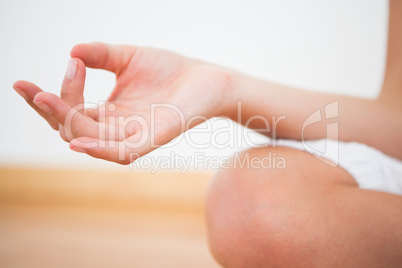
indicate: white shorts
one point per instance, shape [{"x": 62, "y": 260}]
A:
[{"x": 371, "y": 168}]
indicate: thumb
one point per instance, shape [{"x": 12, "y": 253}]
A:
[{"x": 104, "y": 56}]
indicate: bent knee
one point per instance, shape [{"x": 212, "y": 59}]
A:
[{"x": 263, "y": 217}]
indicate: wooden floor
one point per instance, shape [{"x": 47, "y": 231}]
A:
[{"x": 86, "y": 218}]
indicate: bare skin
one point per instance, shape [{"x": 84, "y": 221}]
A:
[
  {"x": 312, "y": 214},
  {"x": 307, "y": 215},
  {"x": 256, "y": 217},
  {"x": 144, "y": 76}
]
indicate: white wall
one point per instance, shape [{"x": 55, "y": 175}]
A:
[{"x": 334, "y": 46}]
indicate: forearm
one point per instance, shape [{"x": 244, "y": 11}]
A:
[{"x": 283, "y": 112}]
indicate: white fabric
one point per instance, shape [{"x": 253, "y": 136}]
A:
[{"x": 371, "y": 168}]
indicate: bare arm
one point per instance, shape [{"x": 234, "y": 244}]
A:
[
  {"x": 377, "y": 123},
  {"x": 392, "y": 88},
  {"x": 125, "y": 127},
  {"x": 287, "y": 109}
]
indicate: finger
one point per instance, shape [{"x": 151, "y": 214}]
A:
[
  {"x": 92, "y": 112},
  {"x": 72, "y": 89},
  {"x": 121, "y": 152},
  {"x": 104, "y": 56},
  {"x": 28, "y": 91},
  {"x": 75, "y": 123},
  {"x": 62, "y": 133}
]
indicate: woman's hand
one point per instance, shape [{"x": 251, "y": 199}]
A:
[{"x": 157, "y": 96}]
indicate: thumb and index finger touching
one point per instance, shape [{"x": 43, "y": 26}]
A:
[
  {"x": 57, "y": 110},
  {"x": 54, "y": 109},
  {"x": 99, "y": 55}
]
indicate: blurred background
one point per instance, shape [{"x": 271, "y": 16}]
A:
[{"x": 59, "y": 208}]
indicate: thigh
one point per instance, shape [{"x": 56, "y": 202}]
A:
[{"x": 306, "y": 213}]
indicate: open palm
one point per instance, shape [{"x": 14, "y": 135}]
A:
[{"x": 158, "y": 95}]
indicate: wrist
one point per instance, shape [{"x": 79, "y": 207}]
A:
[
  {"x": 248, "y": 100},
  {"x": 231, "y": 93},
  {"x": 241, "y": 96}
]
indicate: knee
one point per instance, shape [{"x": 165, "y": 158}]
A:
[{"x": 254, "y": 218}]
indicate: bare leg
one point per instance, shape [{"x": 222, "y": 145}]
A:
[{"x": 307, "y": 215}]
